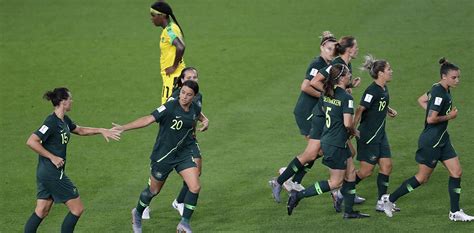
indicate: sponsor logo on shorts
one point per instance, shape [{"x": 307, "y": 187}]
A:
[
  {"x": 158, "y": 175},
  {"x": 373, "y": 158}
]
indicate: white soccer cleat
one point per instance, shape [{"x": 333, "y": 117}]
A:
[
  {"x": 146, "y": 213},
  {"x": 298, "y": 187},
  {"x": 460, "y": 216},
  {"x": 287, "y": 185},
  {"x": 178, "y": 207},
  {"x": 387, "y": 205}
]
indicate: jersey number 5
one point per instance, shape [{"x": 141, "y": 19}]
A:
[
  {"x": 328, "y": 117},
  {"x": 177, "y": 124}
]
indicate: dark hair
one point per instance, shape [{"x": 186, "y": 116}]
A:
[
  {"x": 373, "y": 66},
  {"x": 342, "y": 45},
  {"x": 446, "y": 66},
  {"x": 337, "y": 71},
  {"x": 55, "y": 96},
  {"x": 327, "y": 36},
  {"x": 193, "y": 85},
  {"x": 165, "y": 8},
  {"x": 178, "y": 82}
]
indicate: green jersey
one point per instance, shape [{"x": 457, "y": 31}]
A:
[
  {"x": 306, "y": 102},
  {"x": 436, "y": 135},
  {"x": 334, "y": 132},
  {"x": 337, "y": 60},
  {"x": 54, "y": 134},
  {"x": 176, "y": 128},
  {"x": 372, "y": 124},
  {"x": 175, "y": 96}
]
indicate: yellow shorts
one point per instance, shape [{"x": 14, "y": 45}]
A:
[{"x": 168, "y": 82}]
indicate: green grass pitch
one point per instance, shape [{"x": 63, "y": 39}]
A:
[{"x": 252, "y": 55}]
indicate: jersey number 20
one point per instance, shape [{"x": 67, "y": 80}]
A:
[{"x": 177, "y": 124}]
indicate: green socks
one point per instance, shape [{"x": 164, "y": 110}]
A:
[
  {"x": 406, "y": 187},
  {"x": 32, "y": 223},
  {"x": 454, "y": 188},
  {"x": 382, "y": 184},
  {"x": 317, "y": 189},
  {"x": 190, "y": 202},
  {"x": 69, "y": 223},
  {"x": 292, "y": 168}
]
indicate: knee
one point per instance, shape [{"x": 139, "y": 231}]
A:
[
  {"x": 457, "y": 173},
  {"x": 335, "y": 184},
  {"x": 42, "y": 212},
  {"x": 194, "y": 188},
  {"x": 422, "y": 179},
  {"x": 386, "y": 169},
  {"x": 77, "y": 210},
  {"x": 364, "y": 173}
]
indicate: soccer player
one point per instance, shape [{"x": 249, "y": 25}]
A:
[
  {"x": 338, "y": 107},
  {"x": 308, "y": 98},
  {"x": 50, "y": 142},
  {"x": 434, "y": 143},
  {"x": 172, "y": 150},
  {"x": 372, "y": 145},
  {"x": 171, "y": 45}
]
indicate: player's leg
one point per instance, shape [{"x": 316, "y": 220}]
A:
[
  {"x": 454, "y": 188},
  {"x": 348, "y": 190},
  {"x": 41, "y": 211},
  {"x": 191, "y": 176},
  {"x": 178, "y": 203},
  {"x": 76, "y": 208}
]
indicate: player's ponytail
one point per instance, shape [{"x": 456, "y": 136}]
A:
[
  {"x": 373, "y": 65},
  {"x": 343, "y": 44},
  {"x": 446, "y": 66},
  {"x": 56, "y": 95}
]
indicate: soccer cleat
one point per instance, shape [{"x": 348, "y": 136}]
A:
[
  {"x": 146, "y": 213},
  {"x": 379, "y": 207},
  {"x": 297, "y": 187},
  {"x": 136, "y": 221},
  {"x": 276, "y": 189},
  {"x": 178, "y": 207},
  {"x": 460, "y": 216},
  {"x": 387, "y": 205},
  {"x": 292, "y": 201},
  {"x": 337, "y": 199},
  {"x": 358, "y": 199},
  {"x": 183, "y": 227},
  {"x": 355, "y": 214}
]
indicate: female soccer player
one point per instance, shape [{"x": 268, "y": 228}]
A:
[
  {"x": 434, "y": 144},
  {"x": 171, "y": 45},
  {"x": 372, "y": 145},
  {"x": 338, "y": 107},
  {"x": 172, "y": 150},
  {"x": 50, "y": 142}
]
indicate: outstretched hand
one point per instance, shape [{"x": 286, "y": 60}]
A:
[{"x": 111, "y": 134}]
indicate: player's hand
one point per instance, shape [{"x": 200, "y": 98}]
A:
[
  {"x": 392, "y": 112},
  {"x": 204, "y": 126},
  {"x": 170, "y": 70},
  {"x": 453, "y": 114},
  {"x": 356, "y": 82},
  {"x": 57, "y": 161},
  {"x": 357, "y": 133},
  {"x": 111, "y": 133},
  {"x": 349, "y": 91},
  {"x": 117, "y": 127}
]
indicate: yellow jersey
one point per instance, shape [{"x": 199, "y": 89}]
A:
[{"x": 168, "y": 50}]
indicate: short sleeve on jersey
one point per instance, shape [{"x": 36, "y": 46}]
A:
[
  {"x": 160, "y": 112},
  {"x": 367, "y": 99},
  {"x": 171, "y": 34},
  {"x": 45, "y": 130},
  {"x": 72, "y": 126},
  {"x": 436, "y": 101},
  {"x": 348, "y": 105}
]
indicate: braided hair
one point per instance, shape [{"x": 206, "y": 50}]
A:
[{"x": 165, "y": 8}]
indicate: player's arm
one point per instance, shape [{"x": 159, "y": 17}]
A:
[
  {"x": 318, "y": 82},
  {"x": 106, "y": 133},
  {"x": 179, "y": 44},
  {"x": 308, "y": 89},
  {"x": 358, "y": 115},
  {"x": 433, "y": 117},
  {"x": 423, "y": 101},
  {"x": 349, "y": 123},
  {"x": 136, "y": 124},
  {"x": 34, "y": 142},
  {"x": 204, "y": 121}
]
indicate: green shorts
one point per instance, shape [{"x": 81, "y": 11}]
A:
[
  {"x": 335, "y": 157},
  {"x": 430, "y": 156},
  {"x": 179, "y": 160},
  {"x": 304, "y": 124},
  {"x": 371, "y": 153},
  {"x": 195, "y": 150},
  {"x": 317, "y": 126},
  {"x": 60, "y": 191}
]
